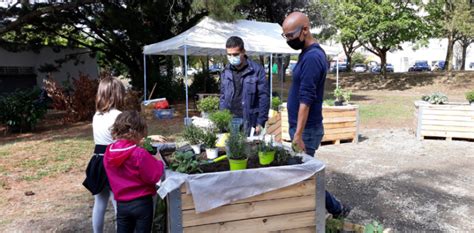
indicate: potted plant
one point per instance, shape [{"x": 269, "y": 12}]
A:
[
  {"x": 435, "y": 98},
  {"x": 276, "y": 102},
  {"x": 185, "y": 162},
  {"x": 236, "y": 146},
  {"x": 470, "y": 97},
  {"x": 338, "y": 92},
  {"x": 266, "y": 152},
  {"x": 208, "y": 105},
  {"x": 210, "y": 139},
  {"x": 194, "y": 136},
  {"x": 221, "y": 120}
]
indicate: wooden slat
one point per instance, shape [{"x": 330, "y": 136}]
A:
[
  {"x": 339, "y": 114},
  {"x": 332, "y": 137},
  {"x": 304, "y": 188},
  {"x": 448, "y": 134},
  {"x": 448, "y": 123},
  {"x": 340, "y": 130},
  {"x": 250, "y": 210},
  {"x": 448, "y": 118},
  {"x": 311, "y": 229},
  {"x": 260, "y": 225},
  {"x": 340, "y": 125},
  {"x": 447, "y": 128},
  {"x": 339, "y": 119},
  {"x": 448, "y": 112}
]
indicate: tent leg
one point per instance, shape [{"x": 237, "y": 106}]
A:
[
  {"x": 144, "y": 78},
  {"x": 271, "y": 78},
  {"x": 186, "y": 83}
]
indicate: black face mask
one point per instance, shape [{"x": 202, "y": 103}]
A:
[{"x": 296, "y": 43}]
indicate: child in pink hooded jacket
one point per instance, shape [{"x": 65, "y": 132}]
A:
[{"x": 132, "y": 173}]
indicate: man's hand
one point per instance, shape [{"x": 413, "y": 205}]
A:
[{"x": 298, "y": 144}]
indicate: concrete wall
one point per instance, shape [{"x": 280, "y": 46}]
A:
[{"x": 86, "y": 64}]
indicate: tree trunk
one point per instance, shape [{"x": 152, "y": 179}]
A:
[
  {"x": 449, "y": 55},
  {"x": 464, "y": 45},
  {"x": 383, "y": 63}
]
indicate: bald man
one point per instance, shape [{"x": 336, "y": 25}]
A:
[{"x": 305, "y": 99}]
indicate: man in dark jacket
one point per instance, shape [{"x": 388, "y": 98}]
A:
[{"x": 244, "y": 87}]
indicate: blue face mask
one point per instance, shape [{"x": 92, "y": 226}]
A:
[{"x": 234, "y": 60}]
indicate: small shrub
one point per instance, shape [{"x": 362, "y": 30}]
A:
[
  {"x": 210, "y": 139},
  {"x": 281, "y": 155},
  {"x": 266, "y": 147},
  {"x": 374, "y": 227},
  {"x": 185, "y": 162},
  {"x": 328, "y": 102},
  {"x": 193, "y": 134},
  {"x": 435, "y": 98},
  {"x": 221, "y": 120},
  {"x": 346, "y": 95},
  {"x": 236, "y": 146},
  {"x": 338, "y": 93},
  {"x": 208, "y": 104},
  {"x": 21, "y": 110},
  {"x": 276, "y": 102},
  {"x": 470, "y": 96}
]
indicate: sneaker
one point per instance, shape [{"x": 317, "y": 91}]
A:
[{"x": 346, "y": 210}]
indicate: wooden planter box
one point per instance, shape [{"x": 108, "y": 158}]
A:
[
  {"x": 341, "y": 123},
  {"x": 452, "y": 120},
  {"x": 296, "y": 208},
  {"x": 274, "y": 126}
]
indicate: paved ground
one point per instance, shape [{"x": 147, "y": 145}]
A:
[{"x": 404, "y": 183}]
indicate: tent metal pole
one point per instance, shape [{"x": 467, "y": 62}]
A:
[
  {"x": 337, "y": 72},
  {"x": 271, "y": 78},
  {"x": 186, "y": 81},
  {"x": 144, "y": 78}
]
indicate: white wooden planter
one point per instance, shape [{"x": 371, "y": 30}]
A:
[{"x": 452, "y": 120}]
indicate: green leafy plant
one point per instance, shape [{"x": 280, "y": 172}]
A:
[
  {"x": 435, "y": 98},
  {"x": 276, "y": 102},
  {"x": 328, "y": 102},
  {"x": 281, "y": 155},
  {"x": 338, "y": 92},
  {"x": 470, "y": 96},
  {"x": 193, "y": 134},
  {"x": 185, "y": 162},
  {"x": 210, "y": 139},
  {"x": 221, "y": 120},
  {"x": 22, "y": 110},
  {"x": 208, "y": 104},
  {"x": 236, "y": 146},
  {"x": 346, "y": 95},
  {"x": 266, "y": 147},
  {"x": 334, "y": 225},
  {"x": 374, "y": 227}
]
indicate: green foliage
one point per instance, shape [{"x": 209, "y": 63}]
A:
[
  {"x": 276, "y": 102},
  {"x": 236, "y": 146},
  {"x": 374, "y": 227},
  {"x": 221, "y": 9},
  {"x": 22, "y": 109},
  {"x": 266, "y": 147},
  {"x": 193, "y": 134},
  {"x": 328, "y": 102},
  {"x": 338, "y": 93},
  {"x": 470, "y": 96},
  {"x": 435, "y": 98},
  {"x": 358, "y": 58},
  {"x": 210, "y": 139},
  {"x": 185, "y": 162},
  {"x": 203, "y": 82},
  {"x": 281, "y": 155},
  {"x": 221, "y": 120},
  {"x": 342, "y": 95},
  {"x": 147, "y": 145},
  {"x": 346, "y": 95},
  {"x": 334, "y": 225},
  {"x": 209, "y": 104}
]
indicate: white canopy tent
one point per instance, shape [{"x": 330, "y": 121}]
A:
[{"x": 209, "y": 36}]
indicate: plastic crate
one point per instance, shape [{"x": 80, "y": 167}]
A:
[{"x": 164, "y": 113}]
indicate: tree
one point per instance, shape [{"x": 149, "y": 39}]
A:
[
  {"x": 451, "y": 19},
  {"x": 343, "y": 17},
  {"x": 383, "y": 25},
  {"x": 464, "y": 19}
]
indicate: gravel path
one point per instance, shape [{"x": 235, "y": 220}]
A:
[{"x": 404, "y": 183}]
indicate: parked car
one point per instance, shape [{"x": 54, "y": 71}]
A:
[
  {"x": 359, "y": 68},
  {"x": 342, "y": 67},
  {"x": 420, "y": 66},
  {"x": 437, "y": 65},
  {"x": 378, "y": 69}
]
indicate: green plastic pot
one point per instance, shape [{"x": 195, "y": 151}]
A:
[
  {"x": 265, "y": 158},
  {"x": 240, "y": 164}
]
